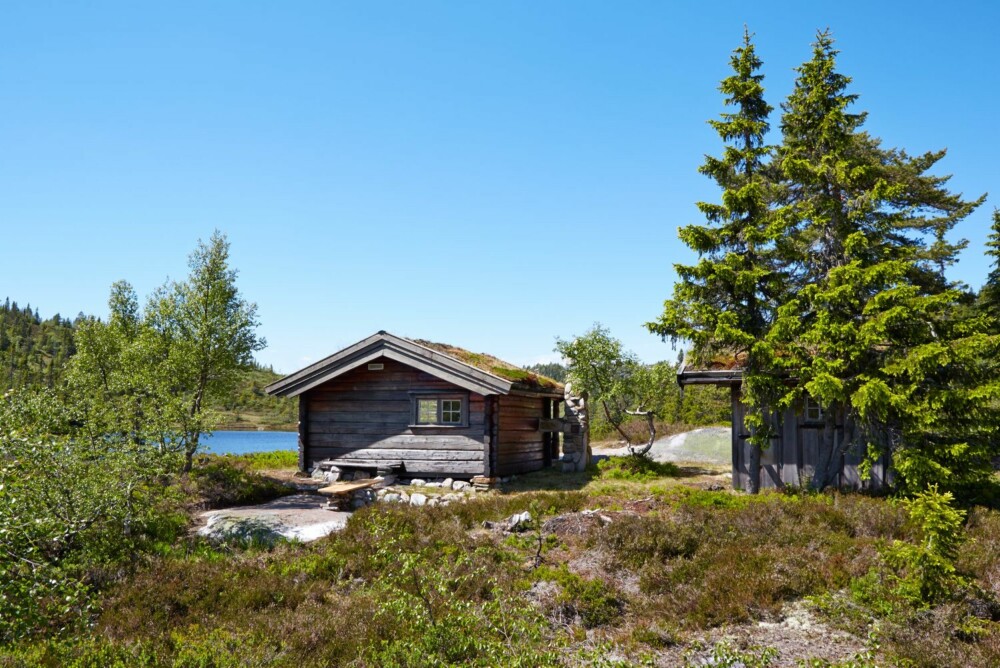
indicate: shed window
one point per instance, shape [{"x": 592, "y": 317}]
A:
[
  {"x": 448, "y": 411},
  {"x": 814, "y": 412}
]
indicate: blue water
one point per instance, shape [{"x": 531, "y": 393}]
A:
[{"x": 240, "y": 442}]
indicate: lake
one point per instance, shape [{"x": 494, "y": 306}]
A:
[{"x": 240, "y": 442}]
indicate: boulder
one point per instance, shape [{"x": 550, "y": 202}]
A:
[{"x": 418, "y": 500}]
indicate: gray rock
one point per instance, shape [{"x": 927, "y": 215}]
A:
[
  {"x": 519, "y": 521},
  {"x": 433, "y": 484},
  {"x": 404, "y": 497},
  {"x": 459, "y": 484},
  {"x": 448, "y": 482},
  {"x": 418, "y": 481},
  {"x": 392, "y": 497},
  {"x": 418, "y": 500},
  {"x": 433, "y": 502},
  {"x": 387, "y": 481}
]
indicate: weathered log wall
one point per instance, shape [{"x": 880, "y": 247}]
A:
[
  {"x": 521, "y": 445},
  {"x": 364, "y": 418}
]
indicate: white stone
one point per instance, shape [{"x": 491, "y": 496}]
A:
[
  {"x": 447, "y": 482},
  {"x": 404, "y": 497},
  {"x": 433, "y": 502},
  {"x": 459, "y": 484},
  {"x": 418, "y": 482},
  {"x": 433, "y": 484},
  {"x": 418, "y": 500},
  {"x": 392, "y": 497}
]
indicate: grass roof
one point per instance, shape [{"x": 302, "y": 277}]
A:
[{"x": 521, "y": 378}]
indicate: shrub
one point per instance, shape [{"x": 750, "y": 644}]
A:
[
  {"x": 635, "y": 468},
  {"x": 219, "y": 482}
]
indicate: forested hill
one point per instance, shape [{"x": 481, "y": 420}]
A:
[{"x": 33, "y": 352}]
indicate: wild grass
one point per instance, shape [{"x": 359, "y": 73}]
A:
[{"x": 644, "y": 576}]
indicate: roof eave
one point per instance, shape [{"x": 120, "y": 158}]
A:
[{"x": 393, "y": 347}]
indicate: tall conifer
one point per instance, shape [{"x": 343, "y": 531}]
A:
[
  {"x": 872, "y": 332},
  {"x": 724, "y": 304}
]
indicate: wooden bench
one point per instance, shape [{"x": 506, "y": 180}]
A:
[{"x": 340, "y": 492}]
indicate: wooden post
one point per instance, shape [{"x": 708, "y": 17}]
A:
[
  {"x": 547, "y": 435},
  {"x": 489, "y": 434},
  {"x": 303, "y": 430}
]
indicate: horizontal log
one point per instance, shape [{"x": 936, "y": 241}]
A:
[
  {"x": 520, "y": 436},
  {"x": 517, "y": 423},
  {"x": 505, "y": 448},
  {"x": 437, "y": 469},
  {"x": 518, "y": 411},
  {"x": 519, "y": 467},
  {"x": 454, "y": 442},
  {"x": 520, "y": 458},
  {"x": 396, "y": 441},
  {"x": 386, "y": 429},
  {"x": 403, "y": 455}
]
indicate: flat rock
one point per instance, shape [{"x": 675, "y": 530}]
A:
[{"x": 301, "y": 517}]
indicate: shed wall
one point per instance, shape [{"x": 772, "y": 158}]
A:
[
  {"x": 793, "y": 457},
  {"x": 364, "y": 419}
]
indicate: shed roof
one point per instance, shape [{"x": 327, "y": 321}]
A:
[{"x": 476, "y": 372}]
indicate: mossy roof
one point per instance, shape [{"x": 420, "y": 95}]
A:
[{"x": 520, "y": 377}]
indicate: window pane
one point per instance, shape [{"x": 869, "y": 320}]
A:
[
  {"x": 427, "y": 411},
  {"x": 451, "y": 411}
]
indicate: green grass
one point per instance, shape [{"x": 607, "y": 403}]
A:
[{"x": 274, "y": 460}]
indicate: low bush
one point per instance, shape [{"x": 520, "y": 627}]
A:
[
  {"x": 636, "y": 468},
  {"x": 220, "y": 481}
]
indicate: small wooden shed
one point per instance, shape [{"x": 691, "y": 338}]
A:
[
  {"x": 796, "y": 454},
  {"x": 424, "y": 409}
]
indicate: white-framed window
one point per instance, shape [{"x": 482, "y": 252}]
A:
[
  {"x": 440, "y": 410},
  {"x": 813, "y": 410}
]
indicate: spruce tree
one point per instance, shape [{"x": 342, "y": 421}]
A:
[
  {"x": 872, "y": 332},
  {"x": 989, "y": 295},
  {"x": 724, "y": 304}
]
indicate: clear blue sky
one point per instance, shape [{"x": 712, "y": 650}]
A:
[{"x": 491, "y": 174}]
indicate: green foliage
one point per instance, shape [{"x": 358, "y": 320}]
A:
[
  {"x": 222, "y": 481},
  {"x": 925, "y": 571},
  {"x": 638, "y": 469},
  {"x": 592, "y": 601},
  {"x": 161, "y": 368},
  {"x": 71, "y": 507},
  {"x": 265, "y": 461},
  {"x": 615, "y": 380}
]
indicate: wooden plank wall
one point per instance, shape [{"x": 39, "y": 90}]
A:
[
  {"x": 362, "y": 418},
  {"x": 792, "y": 459},
  {"x": 520, "y": 445}
]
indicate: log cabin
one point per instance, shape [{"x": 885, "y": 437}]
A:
[
  {"x": 422, "y": 409},
  {"x": 796, "y": 453}
]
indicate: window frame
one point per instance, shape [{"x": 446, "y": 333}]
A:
[
  {"x": 439, "y": 397},
  {"x": 809, "y": 405}
]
